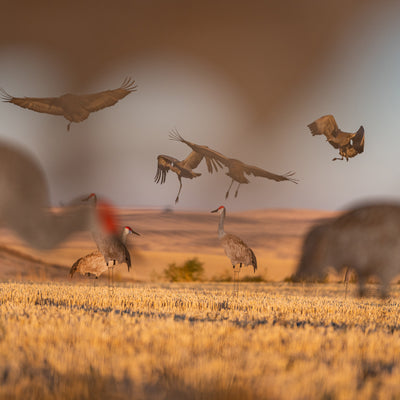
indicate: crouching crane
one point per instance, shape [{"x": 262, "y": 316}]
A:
[
  {"x": 94, "y": 263},
  {"x": 235, "y": 249}
]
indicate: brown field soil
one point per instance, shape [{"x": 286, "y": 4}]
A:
[{"x": 167, "y": 237}]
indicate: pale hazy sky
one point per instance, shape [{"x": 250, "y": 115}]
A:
[{"x": 114, "y": 151}]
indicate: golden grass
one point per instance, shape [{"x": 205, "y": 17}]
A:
[{"x": 197, "y": 341}]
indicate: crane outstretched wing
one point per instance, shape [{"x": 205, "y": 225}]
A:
[
  {"x": 214, "y": 160},
  {"x": 252, "y": 170},
  {"x": 97, "y": 101},
  {"x": 358, "y": 140},
  {"x": 325, "y": 125},
  {"x": 46, "y": 105},
  {"x": 193, "y": 160}
]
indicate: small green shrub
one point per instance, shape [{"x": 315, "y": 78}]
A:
[{"x": 192, "y": 270}]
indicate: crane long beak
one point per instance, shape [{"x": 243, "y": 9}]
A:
[
  {"x": 213, "y": 211},
  {"x": 136, "y": 233}
]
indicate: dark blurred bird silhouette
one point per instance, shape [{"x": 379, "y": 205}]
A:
[
  {"x": 25, "y": 203},
  {"x": 182, "y": 169},
  {"x": 236, "y": 168},
  {"x": 74, "y": 107},
  {"x": 349, "y": 144},
  {"x": 365, "y": 239},
  {"x": 94, "y": 263}
]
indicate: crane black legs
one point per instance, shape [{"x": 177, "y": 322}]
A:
[
  {"x": 237, "y": 189},
  {"x": 227, "y": 194},
  {"x": 236, "y": 281}
]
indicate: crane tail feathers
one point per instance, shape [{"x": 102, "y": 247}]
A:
[{"x": 253, "y": 260}]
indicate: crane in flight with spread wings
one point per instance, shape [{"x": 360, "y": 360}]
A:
[
  {"x": 236, "y": 168},
  {"x": 349, "y": 144},
  {"x": 182, "y": 169},
  {"x": 74, "y": 107}
]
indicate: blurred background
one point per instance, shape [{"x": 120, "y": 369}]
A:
[{"x": 244, "y": 78}]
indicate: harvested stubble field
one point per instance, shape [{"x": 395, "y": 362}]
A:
[{"x": 197, "y": 341}]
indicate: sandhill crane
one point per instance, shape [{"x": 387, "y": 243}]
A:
[
  {"x": 183, "y": 169},
  {"x": 236, "y": 168},
  {"x": 349, "y": 144},
  {"x": 235, "y": 249},
  {"x": 106, "y": 235},
  {"x": 94, "y": 263},
  {"x": 25, "y": 203},
  {"x": 365, "y": 239},
  {"x": 74, "y": 108}
]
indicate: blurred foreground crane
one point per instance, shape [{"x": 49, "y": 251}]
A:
[
  {"x": 107, "y": 237},
  {"x": 94, "y": 263},
  {"x": 235, "y": 249},
  {"x": 236, "y": 168},
  {"x": 25, "y": 203},
  {"x": 74, "y": 107},
  {"x": 349, "y": 144},
  {"x": 182, "y": 169},
  {"x": 365, "y": 239}
]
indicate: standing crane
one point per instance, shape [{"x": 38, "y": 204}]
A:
[
  {"x": 73, "y": 107},
  {"x": 94, "y": 263},
  {"x": 236, "y": 168},
  {"x": 182, "y": 169},
  {"x": 25, "y": 203},
  {"x": 235, "y": 249},
  {"x": 106, "y": 235},
  {"x": 349, "y": 144}
]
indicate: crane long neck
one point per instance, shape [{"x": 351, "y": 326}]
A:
[
  {"x": 221, "y": 232},
  {"x": 124, "y": 236}
]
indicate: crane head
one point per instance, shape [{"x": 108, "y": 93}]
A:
[
  {"x": 129, "y": 230},
  {"x": 219, "y": 210}
]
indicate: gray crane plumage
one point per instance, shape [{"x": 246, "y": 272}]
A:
[
  {"x": 182, "y": 169},
  {"x": 235, "y": 249},
  {"x": 25, "y": 202},
  {"x": 365, "y": 239},
  {"x": 349, "y": 144},
  {"x": 236, "y": 168},
  {"x": 74, "y": 107},
  {"x": 106, "y": 237}
]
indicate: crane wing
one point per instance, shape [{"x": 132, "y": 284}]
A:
[
  {"x": 325, "y": 125},
  {"x": 164, "y": 164},
  {"x": 97, "y": 101},
  {"x": 192, "y": 160},
  {"x": 252, "y": 170},
  {"x": 48, "y": 105},
  {"x": 358, "y": 140},
  {"x": 214, "y": 159}
]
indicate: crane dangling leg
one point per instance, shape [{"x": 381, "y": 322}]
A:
[
  {"x": 227, "y": 193},
  {"x": 337, "y": 158},
  {"x": 237, "y": 190},
  {"x": 180, "y": 188},
  {"x": 68, "y": 126}
]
